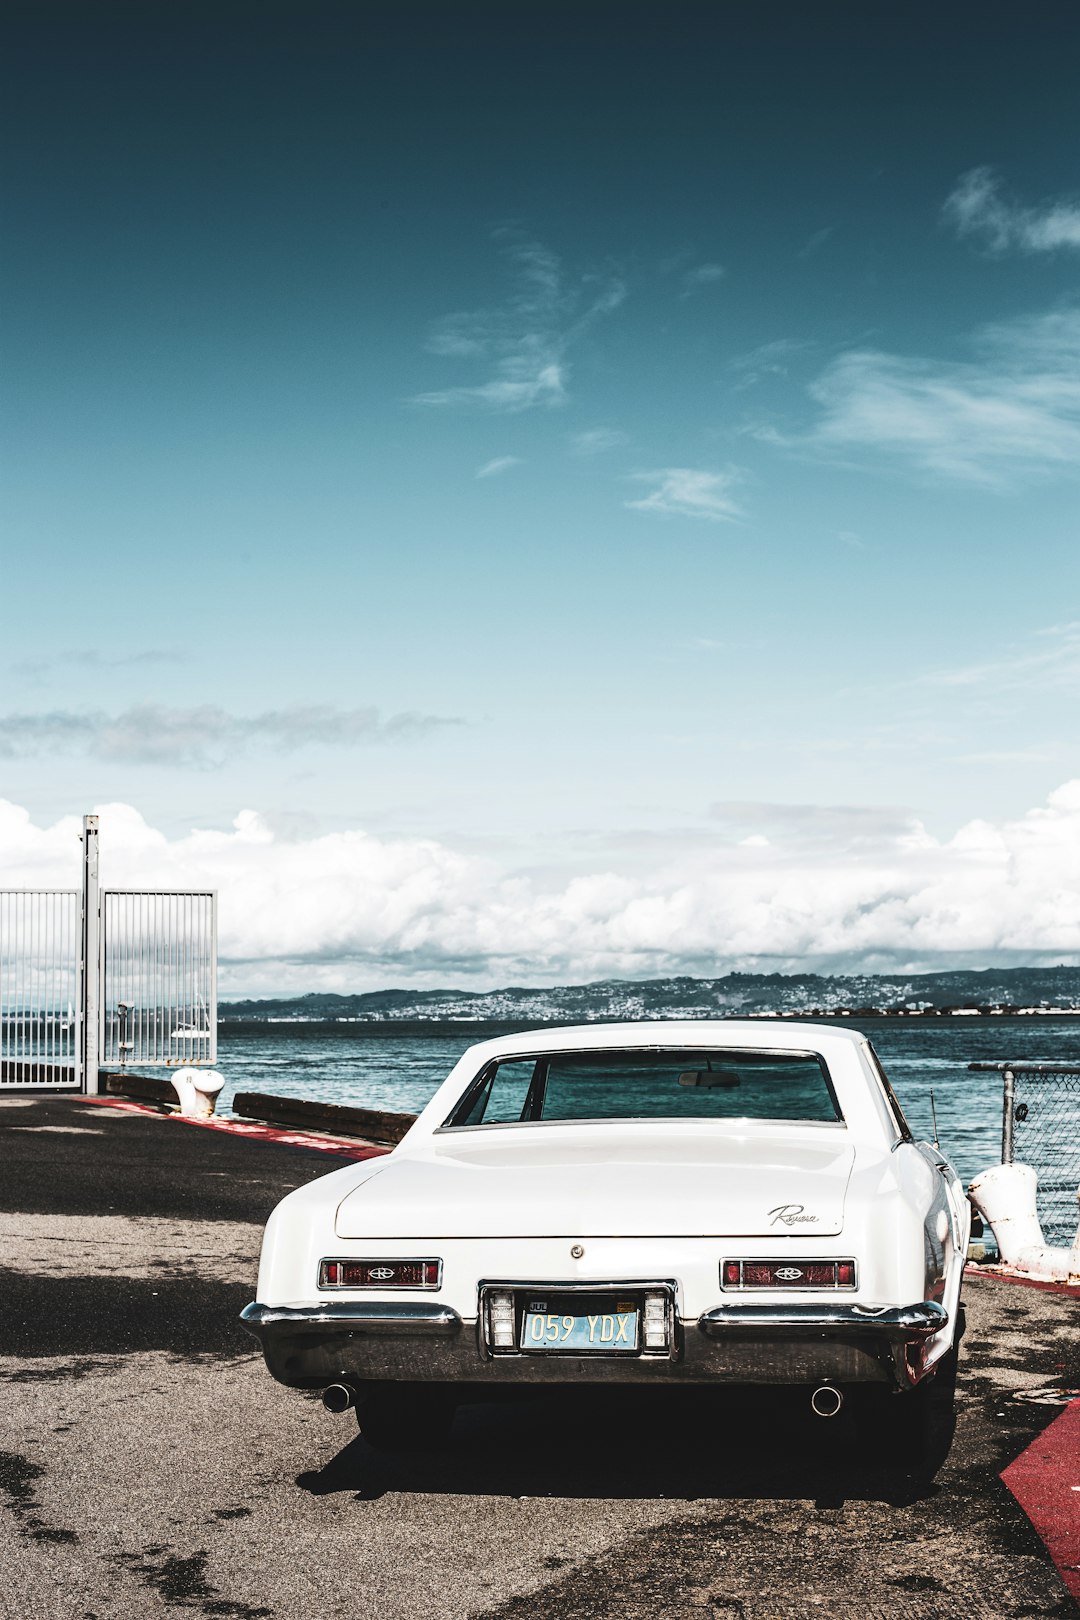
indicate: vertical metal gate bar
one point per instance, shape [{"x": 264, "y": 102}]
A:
[
  {"x": 161, "y": 1012},
  {"x": 7, "y": 909},
  {"x": 211, "y": 1013},
  {"x": 30, "y": 998},
  {"x": 91, "y": 958}
]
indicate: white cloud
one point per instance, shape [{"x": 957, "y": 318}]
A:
[
  {"x": 92, "y": 659},
  {"x": 702, "y": 275},
  {"x": 814, "y": 242},
  {"x": 500, "y": 464},
  {"x": 778, "y": 887},
  {"x": 852, "y": 827},
  {"x": 206, "y": 736},
  {"x": 1050, "y": 661},
  {"x": 979, "y": 207},
  {"x": 767, "y": 360},
  {"x": 689, "y": 492},
  {"x": 1010, "y": 414},
  {"x": 594, "y": 441},
  {"x": 524, "y": 342}
]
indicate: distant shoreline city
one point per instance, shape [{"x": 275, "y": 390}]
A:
[{"x": 989, "y": 993}]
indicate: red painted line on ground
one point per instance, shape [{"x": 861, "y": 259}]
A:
[
  {"x": 338, "y": 1146},
  {"x": 1045, "y": 1479},
  {"x": 986, "y": 1272}
]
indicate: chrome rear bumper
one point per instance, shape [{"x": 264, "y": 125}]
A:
[{"x": 309, "y": 1347}]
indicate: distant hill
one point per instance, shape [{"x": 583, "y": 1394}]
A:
[{"x": 736, "y": 994}]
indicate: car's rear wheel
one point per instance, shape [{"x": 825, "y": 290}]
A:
[
  {"x": 910, "y": 1433},
  {"x": 930, "y": 1410},
  {"x": 406, "y": 1417}
]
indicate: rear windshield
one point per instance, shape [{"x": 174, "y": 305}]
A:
[{"x": 693, "y": 1084}]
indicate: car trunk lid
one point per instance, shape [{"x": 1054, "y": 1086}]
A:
[{"x": 616, "y": 1183}]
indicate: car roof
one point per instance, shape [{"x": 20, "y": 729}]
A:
[
  {"x": 770, "y": 1034},
  {"x": 863, "y": 1103}
]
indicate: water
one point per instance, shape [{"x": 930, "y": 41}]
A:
[{"x": 399, "y": 1069}]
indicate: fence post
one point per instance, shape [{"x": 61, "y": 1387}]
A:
[
  {"x": 90, "y": 967},
  {"x": 1008, "y": 1097}
]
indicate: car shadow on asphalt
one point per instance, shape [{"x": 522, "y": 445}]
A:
[{"x": 623, "y": 1444}]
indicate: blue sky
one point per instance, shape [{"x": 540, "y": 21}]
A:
[{"x": 577, "y": 439}]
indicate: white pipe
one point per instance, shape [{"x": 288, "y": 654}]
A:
[
  {"x": 197, "y": 1090},
  {"x": 1005, "y": 1197}
]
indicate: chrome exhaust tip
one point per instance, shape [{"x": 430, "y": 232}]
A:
[
  {"x": 338, "y": 1398},
  {"x": 826, "y": 1402}
]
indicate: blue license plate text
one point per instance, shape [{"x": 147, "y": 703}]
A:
[{"x": 608, "y": 1331}]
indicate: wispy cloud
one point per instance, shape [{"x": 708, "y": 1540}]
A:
[
  {"x": 205, "y": 736},
  {"x": 1008, "y": 756},
  {"x": 500, "y": 464},
  {"x": 90, "y": 659},
  {"x": 814, "y": 242},
  {"x": 689, "y": 492},
  {"x": 524, "y": 342},
  {"x": 1010, "y": 413},
  {"x": 854, "y": 827},
  {"x": 1050, "y": 661},
  {"x": 767, "y": 360},
  {"x": 979, "y": 207},
  {"x": 594, "y": 441},
  {"x": 701, "y": 275}
]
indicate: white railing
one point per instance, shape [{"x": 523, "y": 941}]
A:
[
  {"x": 159, "y": 984},
  {"x": 40, "y": 1000},
  {"x": 105, "y": 978}
]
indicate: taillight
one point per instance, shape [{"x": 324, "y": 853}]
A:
[
  {"x": 787, "y": 1273},
  {"x": 380, "y": 1273}
]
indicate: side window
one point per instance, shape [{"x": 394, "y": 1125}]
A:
[
  {"x": 497, "y": 1096},
  {"x": 902, "y": 1126},
  {"x": 509, "y": 1089}
]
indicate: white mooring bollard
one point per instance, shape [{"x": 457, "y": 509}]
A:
[
  {"x": 197, "y": 1090},
  {"x": 1005, "y": 1197}
]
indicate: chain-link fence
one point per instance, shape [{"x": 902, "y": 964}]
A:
[{"x": 1040, "y": 1126}]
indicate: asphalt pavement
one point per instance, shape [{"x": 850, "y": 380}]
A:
[{"x": 149, "y": 1466}]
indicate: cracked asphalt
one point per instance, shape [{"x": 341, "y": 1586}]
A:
[{"x": 149, "y": 1466}]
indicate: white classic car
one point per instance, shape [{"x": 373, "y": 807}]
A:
[{"x": 650, "y": 1203}]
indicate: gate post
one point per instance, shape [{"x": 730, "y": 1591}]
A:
[
  {"x": 90, "y": 966},
  {"x": 1008, "y": 1098}
]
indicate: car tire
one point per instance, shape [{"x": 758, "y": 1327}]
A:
[
  {"x": 406, "y": 1417},
  {"x": 933, "y": 1419},
  {"x": 916, "y": 1428},
  {"x": 912, "y": 1432}
]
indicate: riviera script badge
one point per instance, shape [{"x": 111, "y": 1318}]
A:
[{"x": 790, "y": 1215}]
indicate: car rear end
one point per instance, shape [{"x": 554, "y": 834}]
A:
[{"x": 506, "y": 1246}]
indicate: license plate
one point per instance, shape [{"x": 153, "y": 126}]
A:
[{"x": 611, "y": 1332}]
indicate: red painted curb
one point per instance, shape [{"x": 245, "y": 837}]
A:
[
  {"x": 1045, "y": 1479},
  {"x": 338, "y": 1146},
  {"x": 1024, "y": 1282}
]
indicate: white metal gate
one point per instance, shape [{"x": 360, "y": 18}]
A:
[
  {"x": 159, "y": 978},
  {"x": 115, "y": 978},
  {"x": 40, "y": 999}
]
